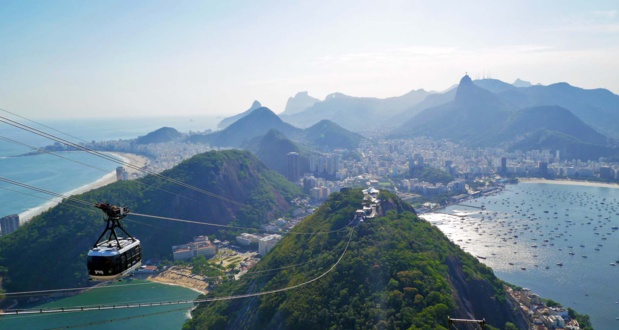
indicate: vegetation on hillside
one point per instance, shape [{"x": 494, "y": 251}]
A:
[
  {"x": 399, "y": 272},
  {"x": 432, "y": 175},
  {"x": 56, "y": 242}
]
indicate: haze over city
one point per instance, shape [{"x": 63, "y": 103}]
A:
[{"x": 117, "y": 58}]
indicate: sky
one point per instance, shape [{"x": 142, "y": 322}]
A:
[{"x": 70, "y": 59}]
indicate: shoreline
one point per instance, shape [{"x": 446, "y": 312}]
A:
[
  {"x": 570, "y": 182},
  {"x": 102, "y": 181},
  {"x": 178, "y": 277}
]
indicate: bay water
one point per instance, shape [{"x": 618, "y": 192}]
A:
[
  {"x": 117, "y": 293},
  {"x": 60, "y": 175},
  {"x": 560, "y": 241}
]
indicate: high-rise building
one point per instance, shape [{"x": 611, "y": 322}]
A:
[
  {"x": 9, "y": 224},
  {"x": 503, "y": 165},
  {"x": 293, "y": 166},
  {"x": 121, "y": 174},
  {"x": 607, "y": 173},
  {"x": 543, "y": 169}
]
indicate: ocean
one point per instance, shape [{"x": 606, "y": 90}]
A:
[
  {"x": 560, "y": 241},
  {"x": 126, "y": 292},
  {"x": 60, "y": 175}
]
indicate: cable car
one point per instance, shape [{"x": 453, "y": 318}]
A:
[{"x": 117, "y": 256}]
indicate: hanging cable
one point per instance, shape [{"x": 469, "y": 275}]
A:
[
  {"x": 180, "y": 302},
  {"x": 23, "y": 185},
  {"x": 118, "y": 319},
  {"x": 53, "y": 129},
  {"x": 91, "y": 166},
  {"x": 233, "y": 227},
  {"x": 112, "y": 159}
]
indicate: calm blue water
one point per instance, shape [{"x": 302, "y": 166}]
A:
[
  {"x": 60, "y": 175},
  {"x": 136, "y": 291},
  {"x": 579, "y": 235}
]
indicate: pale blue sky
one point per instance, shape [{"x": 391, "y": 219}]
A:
[{"x": 88, "y": 58}]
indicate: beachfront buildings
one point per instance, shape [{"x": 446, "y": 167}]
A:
[
  {"x": 9, "y": 224},
  {"x": 200, "y": 246}
]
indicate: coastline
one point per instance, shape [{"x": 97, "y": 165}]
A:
[
  {"x": 104, "y": 180},
  {"x": 178, "y": 277},
  {"x": 570, "y": 182}
]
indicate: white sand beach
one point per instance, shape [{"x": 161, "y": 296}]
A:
[
  {"x": 106, "y": 179},
  {"x": 570, "y": 182}
]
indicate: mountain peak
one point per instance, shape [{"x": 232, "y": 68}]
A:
[
  {"x": 521, "y": 83},
  {"x": 466, "y": 87},
  {"x": 229, "y": 120},
  {"x": 299, "y": 103},
  {"x": 466, "y": 80}
]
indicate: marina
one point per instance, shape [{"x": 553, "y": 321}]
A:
[{"x": 556, "y": 240}]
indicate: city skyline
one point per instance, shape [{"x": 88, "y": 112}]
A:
[{"x": 69, "y": 59}]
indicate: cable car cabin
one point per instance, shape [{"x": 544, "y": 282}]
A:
[{"x": 109, "y": 261}]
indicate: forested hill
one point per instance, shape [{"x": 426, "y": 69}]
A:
[
  {"x": 399, "y": 272},
  {"x": 56, "y": 243}
]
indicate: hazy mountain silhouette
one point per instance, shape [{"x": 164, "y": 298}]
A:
[
  {"x": 229, "y": 120},
  {"x": 272, "y": 149},
  {"x": 596, "y": 107},
  {"x": 299, "y": 103},
  {"x": 164, "y": 134},
  {"x": 479, "y": 117},
  {"x": 521, "y": 83},
  {"x": 327, "y": 135},
  {"x": 355, "y": 113},
  {"x": 256, "y": 123}
]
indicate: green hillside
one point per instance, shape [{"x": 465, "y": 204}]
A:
[
  {"x": 56, "y": 243},
  {"x": 399, "y": 272},
  {"x": 162, "y": 135},
  {"x": 327, "y": 135}
]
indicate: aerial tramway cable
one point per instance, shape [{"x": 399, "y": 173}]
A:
[
  {"x": 180, "y": 302},
  {"x": 112, "y": 159},
  {"x": 82, "y": 202},
  {"x": 88, "y": 165}
]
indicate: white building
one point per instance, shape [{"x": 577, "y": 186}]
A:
[
  {"x": 200, "y": 246},
  {"x": 246, "y": 239},
  {"x": 266, "y": 243}
]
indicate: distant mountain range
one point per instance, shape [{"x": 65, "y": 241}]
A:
[
  {"x": 299, "y": 103},
  {"x": 352, "y": 113},
  {"x": 323, "y": 136},
  {"x": 492, "y": 113},
  {"x": 229, "y": 120},
  {"x": 486, "y": 112}
]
